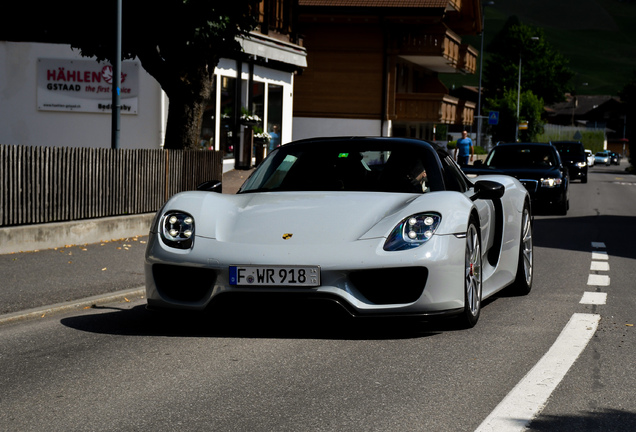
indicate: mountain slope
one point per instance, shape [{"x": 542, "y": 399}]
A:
[{"x": 597, "y": 36}]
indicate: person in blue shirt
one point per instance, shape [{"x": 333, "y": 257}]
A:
[
  {"x": 465, "y": 149},
  {"x": 274, "y": 141}
]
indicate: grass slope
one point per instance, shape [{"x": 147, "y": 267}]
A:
[{"x": 597, "y": 36}]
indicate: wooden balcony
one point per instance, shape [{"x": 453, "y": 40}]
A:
[
  {"x": 432, "y": 108},
  {"x": 437, "y": 49},
  {"x": 467, "y": 59},
  {"x": 425, "y": 108},
  {"x": 466, "y": 113}
]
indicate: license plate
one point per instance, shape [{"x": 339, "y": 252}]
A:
[{"x": 275, "y": 276}]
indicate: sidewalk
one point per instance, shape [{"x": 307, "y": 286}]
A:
[{"x": 233, "y": 179}]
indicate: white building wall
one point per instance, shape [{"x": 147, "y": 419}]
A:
[
  {"x": 312, "y": 127},
  {"x": 21, "y": 123}
]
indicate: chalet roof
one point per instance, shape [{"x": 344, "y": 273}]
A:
[
  {"x": 376, "y": 3},
  {"x": 578, "y": 105}
]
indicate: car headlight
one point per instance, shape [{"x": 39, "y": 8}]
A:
[
  {"x": 177, "y": 229},
  {"x": 581, "y": 164},
  {"x": 551, "y": 182},
  {"x": 412, "y": 232}
]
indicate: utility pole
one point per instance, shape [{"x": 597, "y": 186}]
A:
[{"x": 116, "y": 103}]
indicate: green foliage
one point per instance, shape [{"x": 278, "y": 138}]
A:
[
  {"x": 479, "y": 150},
  {"x": 186, "y": 31},
  {"x": 544, "y": 70},
  {"x": 530, "y": 111},
  {"x": 592, "y": 139},
  {"x": 628, "y": 92}
]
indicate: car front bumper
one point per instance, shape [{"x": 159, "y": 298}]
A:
[{"x": 360, "y": 276}]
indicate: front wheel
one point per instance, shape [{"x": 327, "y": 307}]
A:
[
  {"x": 523, "y": 280},
  {"x": 472, "y": 276}
]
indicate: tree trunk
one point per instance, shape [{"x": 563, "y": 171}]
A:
[{"x": 186, "y": 108}]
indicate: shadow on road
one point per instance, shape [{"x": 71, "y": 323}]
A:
[
  {"x": 312, "y": 323},
  {"x": 603, "y": 420},
  {"x": 577, "y": 233}
]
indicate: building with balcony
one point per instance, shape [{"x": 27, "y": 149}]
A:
[{"x": 373, "y": 67}]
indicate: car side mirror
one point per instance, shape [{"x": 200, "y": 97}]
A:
[
  {"x": 490, "y": 190},
  {"x": 478, "y": 162},
  {"x": 211, "y": 186}
]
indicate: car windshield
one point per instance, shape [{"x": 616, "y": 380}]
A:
[
  {"x": 528, "y": 156},
  {"x": 569, "y": 149},
  {"x": 363, "y": 165}
]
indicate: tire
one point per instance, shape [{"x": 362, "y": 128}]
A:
[
  {"x": 562, "y": 207},
  {"x": 472, "y": 276},
  {"x": 523, "y": 280},
  {"x": 584, "y": 179}
]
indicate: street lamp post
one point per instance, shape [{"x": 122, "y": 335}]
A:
[
  {"x": 481, "y": 63},
  {"x": 518, "y": 102},
  {"x": 534, "y": 38}
]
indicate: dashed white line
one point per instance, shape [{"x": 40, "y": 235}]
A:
[
  {"x": 599, "y": 266},
  {"x": 530, "y": 395},
  {"x": 598, "y": 280},
  {"x": 600, "y": 256},
  {"x": 594, "y": 298},
  {"x": 528, "y": 398}
]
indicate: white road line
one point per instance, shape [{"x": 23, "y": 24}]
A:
[
  {"x": 599, "y": 266},
  {"x": 594, "y": 298},
  {"x": 598, "y": 280},
  {"x": 528, "y": 398},
  {"x": 600, "y": 256}
]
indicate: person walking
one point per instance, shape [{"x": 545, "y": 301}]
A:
[{"x": 465, "y": 149}]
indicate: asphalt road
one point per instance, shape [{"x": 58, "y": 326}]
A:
[{"x": 118, "y": 367}]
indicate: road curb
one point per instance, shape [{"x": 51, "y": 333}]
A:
[{"x": 80, "y": 304}]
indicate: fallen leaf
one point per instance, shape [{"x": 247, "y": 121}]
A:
[
  {"x": 104, "y": 269},
  {"x": 126, "y": 299},
  {"x": 629, "y": 325}
]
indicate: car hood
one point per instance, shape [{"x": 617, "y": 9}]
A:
[{"x": 310, "y": 217}]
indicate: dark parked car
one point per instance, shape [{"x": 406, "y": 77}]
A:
[
  {"x": 574, "y": 158},
  {"x": 537, "y": 166}
]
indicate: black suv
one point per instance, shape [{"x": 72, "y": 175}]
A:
[{"x": 574, "y": 158}]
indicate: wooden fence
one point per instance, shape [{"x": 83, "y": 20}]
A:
[{"x": 52, "y": 184}]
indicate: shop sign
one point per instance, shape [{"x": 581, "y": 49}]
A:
[{"x": 85, "y": 86}]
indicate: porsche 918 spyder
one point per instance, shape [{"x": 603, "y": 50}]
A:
[{"x": 379, "y": 226}]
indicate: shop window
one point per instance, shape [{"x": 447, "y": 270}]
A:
[
  {"x": 275, "y": 115},
  {"x": 228, "y": 91}
]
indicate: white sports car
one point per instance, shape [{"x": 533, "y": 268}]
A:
[{"x": 381, "y": 226}]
